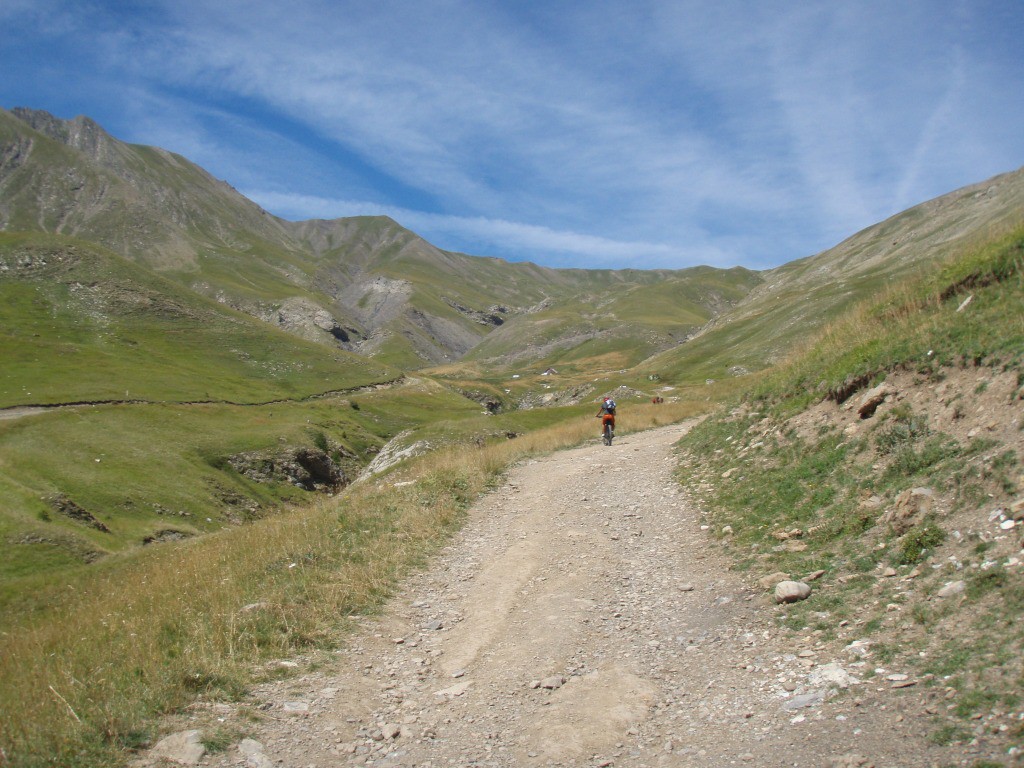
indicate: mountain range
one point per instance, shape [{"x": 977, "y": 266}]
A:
[
  {"x": 370, "y": 286},
  {"x": 188, "y": 383},
  {"x": 362, "y": 284}
]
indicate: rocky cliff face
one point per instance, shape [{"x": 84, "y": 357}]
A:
[{"x": 81, "y": 133}]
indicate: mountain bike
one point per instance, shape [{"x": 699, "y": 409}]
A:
[{"x": 608, "y": 433}]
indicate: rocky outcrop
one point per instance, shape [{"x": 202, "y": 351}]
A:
[
  {"x": 183, "y": 748},
  {"x": 377, "y": 300},
  {"x": 308, "y": 320},
  {"x": 396, "y": 450},
  {"x": 492, "y": 403},
  {"x": 570, "y": 396},
  {"x": 168, "y": 534},
  {"x": 308, "y": 468},
  {"x": 65, "y": 506},
  {"x": 492, "y": 316},
  {"x": 909, "y": 509},
  {"x": 873, "y": 398}
]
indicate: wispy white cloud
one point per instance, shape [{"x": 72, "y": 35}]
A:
[
  {"x": 421, "y": 116},
  {"x": 659, "y": 130},
  {"x": 516, "y": 237},
  {"x": 934, "y": 129}
]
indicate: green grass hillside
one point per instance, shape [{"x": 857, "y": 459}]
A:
[
  {"x": 797, "y": 300},
  {"x": 887, "y": 462},
  {"x": 183, "y": 379},
  {"x": 614, "y": 323},
  {"x": 79, "y": 485},
  {"x": 82, "y": 324}
]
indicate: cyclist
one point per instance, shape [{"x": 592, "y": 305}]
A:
[{"x": 607, "y": 414}]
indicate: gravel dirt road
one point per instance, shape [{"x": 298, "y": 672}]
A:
[{"x": 582, "y": 617}]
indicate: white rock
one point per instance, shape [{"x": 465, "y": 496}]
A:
[
  {"x": 252, "y": 751},
  {"x": 455, "y": 690},
  {"x": 249, "y": 747},
  {"x": 952, "y": 589},
  {"x": 183, "y": 748},
  {"x": 831, "y": 676},
  {"x": 812, "y": 699},
  {"x": 551, "y": 683},
  {"x": 791, "y": 591}
]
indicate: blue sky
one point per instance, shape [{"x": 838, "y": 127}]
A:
[{"x": 649, "y": 133}]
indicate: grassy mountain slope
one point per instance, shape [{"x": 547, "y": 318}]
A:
[
  {"x": 797, "y": 299},
  {"x": 365, "y": 284},
  {"x": 886, "y": 461},
  {"x": 71, "y": 177},
  {"x": 615, "y": 323},
  {"x": 81, "y": 484},
  {"x": 78, "y": 323}
]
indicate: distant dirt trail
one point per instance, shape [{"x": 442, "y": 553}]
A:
[
  {"x": 579, "y": 618},
  {"x": 17, "y": 413},
  {"x": 20, "y": 411}
]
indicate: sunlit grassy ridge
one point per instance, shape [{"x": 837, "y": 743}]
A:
[
  {"x": 917, "y": 328},
  {"x": 84, "y": 669},
  {"x": 917, "y": 325},
  {"x": 797, "y": 300},
  {"x": 770, "y": 470}
]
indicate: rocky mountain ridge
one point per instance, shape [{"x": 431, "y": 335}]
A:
[{"x": 366, "y": 284}]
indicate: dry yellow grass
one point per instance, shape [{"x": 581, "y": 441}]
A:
[{"x": 902, "y": 322}]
